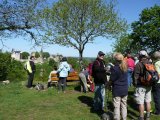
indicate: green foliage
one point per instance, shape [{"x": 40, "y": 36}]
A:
[
  {"x": 11, "y": 69},
  {"x": 123, "y": 43},
  {"x": 52, "y": 62},
  {"x": 42, "y": 72},
  {"x": 37, "y": 54},
  {"x": 5, "y": 61},
  {"x": 25, "y": 55},
  {"x": 45, "y": 55},
  {"x": 16, "y": 71},
  {"x": 75, "y": 23},
  {"x": 108, "y": 58},
  {"x": 73, "y": 105},
  {"x": 18, "y": 16},
  {"x": 74, "y": 62},
  {"x": 146, "y": 31}
]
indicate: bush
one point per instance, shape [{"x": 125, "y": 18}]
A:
[
  {"x": 43, "y": 71},
  {"x": 16, "y": 71},
  {"x": 5, "y": 61}
]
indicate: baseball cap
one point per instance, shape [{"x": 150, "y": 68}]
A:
[
  {"x": 143, "y": 53},
  {"x": 100, "y": 53}
]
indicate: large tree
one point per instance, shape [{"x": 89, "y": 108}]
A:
[
  {"x": 75, "y": 23},
  {"x": 18, "y": 17},
  {"x": 146, "y": 31},
  {"x": 123, "y": 43}
]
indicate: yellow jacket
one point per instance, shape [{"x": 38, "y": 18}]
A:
[{"x": 29, "y": 67}]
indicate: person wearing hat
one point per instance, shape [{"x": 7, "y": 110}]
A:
[
  {"x": 99, "y": 75},
  {"x": 156, "y": 86},
  {"x": 63, "y": 70},
  {"x": 119, "y": 82},
  {"x": 142, "y": 93}
]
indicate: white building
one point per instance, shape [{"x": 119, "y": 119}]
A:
[{"x": 16, "y": 54}]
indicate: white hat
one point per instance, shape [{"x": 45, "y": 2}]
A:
[{"x": 144, "y": 53}]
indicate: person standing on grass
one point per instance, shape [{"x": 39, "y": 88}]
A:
[
  {"x": 84, "y": 77},
  {"x": 63, "y": 71},
  {"x": 99, "y": 75},
  {"x": 142, "y": 92},
  {"x": 31, "y": 69},
  {"x": 130, "y": 64},
  {"x": 156, "y": 86},
  {"x": 119, "y": 82}
]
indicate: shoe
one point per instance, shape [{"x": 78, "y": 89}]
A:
[{"x": 140, "y": 118}]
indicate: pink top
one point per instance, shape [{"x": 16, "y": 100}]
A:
[{"x": 130, "y": 63}]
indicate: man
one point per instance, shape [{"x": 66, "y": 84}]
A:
[
  {"x": 99, "y": 75},
  {"x": 142, "y": 92},
  {"x": 31, "y": 68}
]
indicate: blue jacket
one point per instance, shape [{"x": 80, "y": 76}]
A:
[
  {"x": 63, "y": 69},
  {"x": 119, "y": 82}
]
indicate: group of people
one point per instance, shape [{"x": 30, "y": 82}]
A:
[
  {"x": 62, "y": 71},
  {"x": 124, "y": 73}
]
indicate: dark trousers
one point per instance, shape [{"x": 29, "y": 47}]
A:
[
  {"x": 62, "y": 83},
  {"x": 156, "y": 97},
  {"x": 30, "y": 79}
]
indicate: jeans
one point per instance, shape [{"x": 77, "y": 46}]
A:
[
  {"x": 130, "y": 72},
  {"x": 30, "y": 79},
  {"x": 99, "y": 97},
  {"x": 62, "y": 83}
]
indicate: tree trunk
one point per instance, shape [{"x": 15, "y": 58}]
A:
[{"x": 81, "y": 59}]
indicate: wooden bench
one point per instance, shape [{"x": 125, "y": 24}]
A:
[{"x": 73, "y": 76}]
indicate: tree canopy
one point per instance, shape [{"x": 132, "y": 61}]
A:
[
  {"x": 18, "y": 16},
  {"x": 75, "y": 23},
  {"x": 146, "y": 31},
  {"x": 25, "y": 55}
]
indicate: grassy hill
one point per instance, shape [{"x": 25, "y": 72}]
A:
[{"x": 19, "y": 103}]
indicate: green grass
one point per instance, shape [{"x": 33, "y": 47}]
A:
[{"x": 19, "y": 103}]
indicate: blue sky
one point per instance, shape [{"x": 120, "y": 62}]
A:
[{"x": 128, "y": 9}]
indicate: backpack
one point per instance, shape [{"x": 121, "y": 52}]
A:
[
  {"x": 149, "y": 76},
  {"x": 39, "y": 86}
]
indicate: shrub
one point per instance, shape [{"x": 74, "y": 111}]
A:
[
  {"x": 5, "y": 61},
  {"x": 16, "y": 71},
  {"x": 43, "y": 71}
]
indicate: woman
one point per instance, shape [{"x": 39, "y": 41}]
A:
[
  {"x": 63, "y": 70},
  {"x": 119, "y": 86}
]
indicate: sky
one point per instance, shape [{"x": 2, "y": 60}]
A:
[{"x": 128, "y": 9}]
